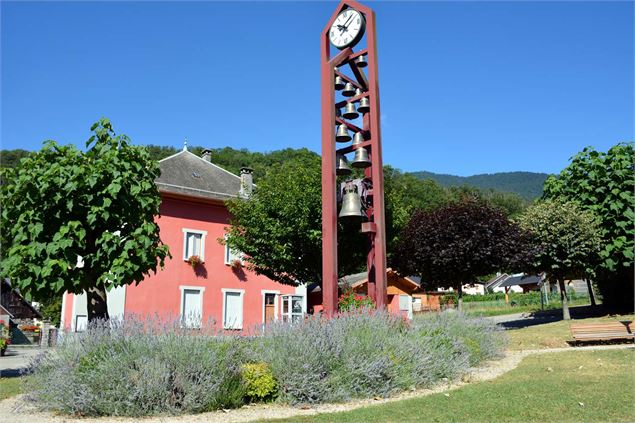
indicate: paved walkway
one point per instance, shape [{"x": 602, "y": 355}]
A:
[{"x": 16, "y": 359}]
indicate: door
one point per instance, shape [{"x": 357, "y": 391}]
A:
[{"x": 270, "y": 308}]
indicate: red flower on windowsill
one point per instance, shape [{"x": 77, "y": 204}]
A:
[{"x": 194, "y": 261}]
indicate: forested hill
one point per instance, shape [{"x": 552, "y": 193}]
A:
[{"x": 526, "y": 184}]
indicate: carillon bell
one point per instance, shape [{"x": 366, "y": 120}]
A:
[
  {"x": 358, "y": 92},
  {"x": 364, "y": 105},
  {"x": 348, "y": 90},
  {"x": 339, "y": 82},
  {"x": 350, "y": 112},
  {"x": 342, "y": 134},
  {"x": 358, "y": 138},
  {"x": 361, "y": 159},
  {"x": 351, "y": 203},
  {"x": 342, "y": 166},
  {"x": 361, "y": 62}
]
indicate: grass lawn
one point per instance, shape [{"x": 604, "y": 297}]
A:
[
  {"x": 551, "y": 335},
  {"x": 475, "y": 309},
  {"x": 582, "y": 386},
  {"x": 10, "y": 386}
]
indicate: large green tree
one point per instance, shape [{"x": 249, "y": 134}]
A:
[
  {"x": 567, "y": 239},
  {"x": 604, "y": 183},
  {"x": 82, "y": 221},
  {"x": 454, "y": 244},
  {"x": 279, "y": 228}
]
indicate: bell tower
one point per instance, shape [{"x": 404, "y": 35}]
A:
[{"x": 350, "y": 104}]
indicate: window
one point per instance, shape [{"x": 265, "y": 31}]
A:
[
  {"x": 404, "y": 302},
  {"x": 231, "y": 255},
  {"x": 233, "y": 308},
  {"x": 292, "y": 309},
  {"x": 192, "y": 306},
  {"x": 81, "y": 322},
  {"x": 193, "y": 243}
]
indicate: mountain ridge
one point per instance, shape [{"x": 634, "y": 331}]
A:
[{"x": 526, "y": 184}]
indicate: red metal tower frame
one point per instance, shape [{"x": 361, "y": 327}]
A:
[{"x": 375, "y": 224}]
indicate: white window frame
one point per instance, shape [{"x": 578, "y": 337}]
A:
[
  {"x": 289, "y": 315},
  {"x": 276, "y": 309},
  {"x": 201, "y": 290},
  {"x": 186, "y": 232},
  {"x": 224, "y": 292},
  {"x": 229, "y": 257}
]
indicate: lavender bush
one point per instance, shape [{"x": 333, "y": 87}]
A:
[{"x": 148, "y": 368}]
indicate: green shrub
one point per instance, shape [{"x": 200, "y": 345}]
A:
[{"x": 260, "y": 384}]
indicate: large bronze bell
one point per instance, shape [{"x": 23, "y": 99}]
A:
[
  {"x": 361, "y": 61},
  {"x": 358, "y": 138},
  {"x": 349, "y": 90},
  {"x": 364, "y": 105},
  {"x": 342, "y": 134},
  {"x": 351, "y": 203},
  {"x": 361, "y": 159},
  {"x": 350, "y": 112},
  {"x": 342, "y": 166},
  {"x": 339, "y": 82}
]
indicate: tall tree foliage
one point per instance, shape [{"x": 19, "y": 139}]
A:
[
  {"x": 279, "y": 228},
  {"x": 567, "y": 239},
  {"x": 455, "y": 244},
  {"x": 61, "y": 204},
  {"x": 604, "y": 183}
]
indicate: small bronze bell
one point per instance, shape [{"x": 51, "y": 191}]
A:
[
  {"x": 342, "y": 166},
  {"x": 349, "y": 90},
  {"x": 350, "y": 112},
  {"x": 339, "y": 82},
  {"x": 342, "y": 134},
  {"x": 364, "y": 105},
  {"x": 358, "y": 92},
  {"x": 358, "y": 138},
  {"x": 361, "y": 62},
  {"x": 351, "y": 203},
  {"x": 361, "y": 159}
]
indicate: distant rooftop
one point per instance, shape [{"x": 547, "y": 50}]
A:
[{"x": 186, "y": 173}]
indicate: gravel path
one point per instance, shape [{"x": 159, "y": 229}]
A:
[{"x": 15, "y": 410}]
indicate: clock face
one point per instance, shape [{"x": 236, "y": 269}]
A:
[{"x": 347, "y": 29}]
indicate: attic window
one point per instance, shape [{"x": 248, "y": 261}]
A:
[{"x": 196, "y": 175}]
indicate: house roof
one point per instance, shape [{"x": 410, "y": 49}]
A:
[
  {"x": 187, "y": 174},
  {"x": 520, "y": 279},
  {"x": 13, "y": 302}
]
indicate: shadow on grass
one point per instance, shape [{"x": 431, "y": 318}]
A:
[{"x": 550, "y": 316}]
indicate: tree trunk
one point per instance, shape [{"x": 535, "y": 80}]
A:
[
  {"x": 565, "y": 300},
  {"x": 460, "y": 305},
  {"x": 591, "y": 294},
  {"x": 96, "y": 304}
]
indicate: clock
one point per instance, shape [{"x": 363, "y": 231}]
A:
[{"x": 347, "y": 29}]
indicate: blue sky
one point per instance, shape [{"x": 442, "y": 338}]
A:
[{"x": 466, "y": 87}]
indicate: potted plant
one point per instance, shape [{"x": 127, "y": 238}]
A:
[
  {"x": 236, "y": 264},
  {"x": 194, "y": 261},
  {"x": 5, "y": 337}
]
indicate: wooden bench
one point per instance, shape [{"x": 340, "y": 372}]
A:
[{"x": 602, "y": 331}]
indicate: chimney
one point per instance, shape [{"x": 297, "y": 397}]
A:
[
  {"x": 207, "y": 155},
  {"x": 246, "y": 182}
]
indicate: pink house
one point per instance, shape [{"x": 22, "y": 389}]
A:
[{"x": 192, "y": 221}]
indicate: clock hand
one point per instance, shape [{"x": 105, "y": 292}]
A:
[{"x": 346, "y": 23}]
